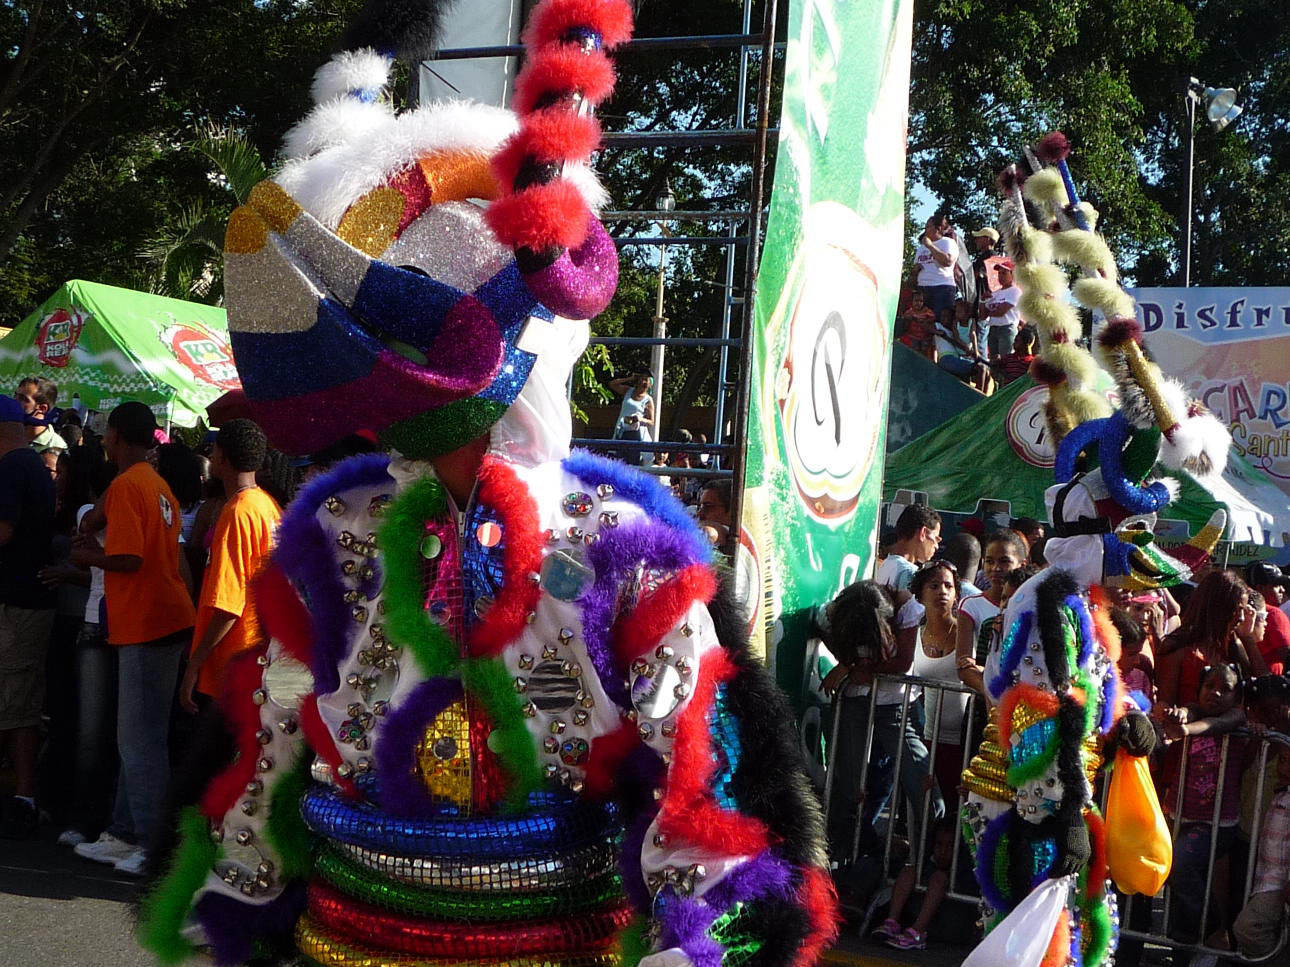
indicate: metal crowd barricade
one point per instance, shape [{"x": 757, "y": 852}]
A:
[
  {"x": 917, "y": 838},
  {"x": 1161, "y": 905}
]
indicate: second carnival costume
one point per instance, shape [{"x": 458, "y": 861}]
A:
[
  {"x": 520, "y": 730},
  {"x": 1059, "y": 707}
]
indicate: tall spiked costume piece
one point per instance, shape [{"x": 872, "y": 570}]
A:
[
  {"x": 1057, "y": 702},
  {"x": 515, "y": 727}
]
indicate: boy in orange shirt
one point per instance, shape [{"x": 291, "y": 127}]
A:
[
  {"x": 240, "y": 545},
  {"x": 150, "y": 621}
]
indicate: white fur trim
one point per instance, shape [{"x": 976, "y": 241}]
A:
[
  {"x": 585, "y": 180},
  {"x": 1199, "y": 445},
  {"x": 332, "y": 180},
  {"x": 352, "y": 70},
  {"x": 1171, "y": 485},
  {"x": 335, "y": 122}
]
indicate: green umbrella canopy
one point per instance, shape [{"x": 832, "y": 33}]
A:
[
  {"x": 999, "y": 449},
  {"x": 109, "y": 345}
]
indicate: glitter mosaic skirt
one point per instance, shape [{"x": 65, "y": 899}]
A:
[{"x": 537, "y": 888}]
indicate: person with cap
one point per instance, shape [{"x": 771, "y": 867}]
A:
[
  {"x": 26, "y": 611},
  {"x": 985, "y": 242},
  {"x": 1271, "y": 582},
  {"x": 150, "y": 622},
  {"x": 1000, "y": 311}
]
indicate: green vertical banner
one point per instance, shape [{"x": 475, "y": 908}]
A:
[{"x": 826, "y": 295}]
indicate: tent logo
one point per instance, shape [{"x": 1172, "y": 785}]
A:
[
  {"x": 57, "y": 335},
  {"x": 203, "y": 352},
  {"x": 1027, "y": 429}
]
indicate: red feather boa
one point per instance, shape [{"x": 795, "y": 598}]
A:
[
  {"x": 501, "y": 489},
  {"x": 612, "y": 19},
  {"x": 662, "y": 610},
  {"x": 689, "y": 813},
  {"x": 242, "y": 677},
  {"x": 282, "y": 613},
  {"x": 319, "y": 736}
]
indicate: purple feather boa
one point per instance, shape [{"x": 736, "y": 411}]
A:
[
  {"x": 306, "y": 553},
  {"x": 233, "y": 927},
  {"x": 402, "y": 791},
  {"x": 687, "y": 920},
  {"x": 614, "y": 558},
  {"x": 651, "y": 496}
]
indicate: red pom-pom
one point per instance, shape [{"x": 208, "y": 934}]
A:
[
  {"x": 546, "y": 136},
  {"x": 1117, "y": 332},
  {"x": 1009, "y": 180},
  {"x": 1053, "y": 148},
  {"x": 561, "y": 70},
  {"x": 537, "y": 218},
  {"x": 1042, "y": 371},
  {"x": 552, "y": 19}
]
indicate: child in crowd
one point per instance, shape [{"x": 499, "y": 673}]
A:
[
  {"x": 1209, "y": 775},
  {"x": 919, "y": 324},
  {"x": 1136, "y": 668},
  {"x": 1017, "y": 363},
  {"x": 943, "y": 841}
]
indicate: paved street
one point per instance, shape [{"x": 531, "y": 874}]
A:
[{"x": 58, "y": 910}]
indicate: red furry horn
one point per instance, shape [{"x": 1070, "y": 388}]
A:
[{"x": 1053, "y": 148}]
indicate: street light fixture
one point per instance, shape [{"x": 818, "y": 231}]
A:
[
  {"x": 1221, "y": 110},
  {"x": 665, "y": 204}
]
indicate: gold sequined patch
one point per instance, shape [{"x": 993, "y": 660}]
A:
[
  {"x": 370, "y": 223},
  {"x": 274, "y": 205},
  {"x": 458, "y": 175},
  {"x": 443, "y": 756},
  {"x": 246, "y": 232}
]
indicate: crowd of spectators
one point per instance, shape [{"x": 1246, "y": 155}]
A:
[
  {"x": 127, "y": 562},
  {"x": 964, "y": 316},
  {"x": 1207, "y": 661}
]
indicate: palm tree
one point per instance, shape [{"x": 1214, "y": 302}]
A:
[{"x": 185, "y": 259}]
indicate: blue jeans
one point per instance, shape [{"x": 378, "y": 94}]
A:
[
  {"x": 940, "y": 299},
  {"x": 147, "y": 678},
  {"x": 95, "y": 757}
]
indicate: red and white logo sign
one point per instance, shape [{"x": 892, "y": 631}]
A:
[
  {"x": 1027, "y": 429},
  {"x": 57, "y": 335},
  {"x": 204, "y": 352}
]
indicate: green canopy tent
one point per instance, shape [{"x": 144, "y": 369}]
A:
[
  {"x": 999, "y": 450},
  {"x": 107, "y": 345}
]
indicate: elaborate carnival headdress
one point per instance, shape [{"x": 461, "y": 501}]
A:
[
  {"x": 385, "y": 278},
  {"x": 1153, "y": 421}
]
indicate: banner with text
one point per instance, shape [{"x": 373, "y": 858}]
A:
[
  {"x": 826, "y": 294},
  {"x": 1231, "y": 348}
]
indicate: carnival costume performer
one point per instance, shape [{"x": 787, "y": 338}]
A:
[
  {"x": 501, "y": 716},
  {"x": 1053, "y": 681}
]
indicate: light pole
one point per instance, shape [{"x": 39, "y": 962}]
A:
[
  {"x": 1221, "y": 110},
  {"x": 666, "y": 202}
]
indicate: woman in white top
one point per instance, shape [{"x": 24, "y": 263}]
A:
[
  {"x": 936, "y": 588},
  {"x": 979, "y": 615},
  {"x": 934, "y": 261},
  {"x": 636, "y": 415},
  {"x": 873, "y": 631}
]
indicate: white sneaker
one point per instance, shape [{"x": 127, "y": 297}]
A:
[
  {"x": 106, "y": 849},
  {"x": 133, "y": 865},
  {"x": 71, "y": 837}
]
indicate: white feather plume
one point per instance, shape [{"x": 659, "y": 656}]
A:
[
  {"x": 334, "y": 122},
  {"x": 352, "y": 70}
]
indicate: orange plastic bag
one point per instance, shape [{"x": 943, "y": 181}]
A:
[{"x": 1139, "y": 851}]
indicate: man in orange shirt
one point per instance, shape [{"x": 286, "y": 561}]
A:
[
  {"x": 241, "y": 543},
  {"x": 150, "y": 620}
]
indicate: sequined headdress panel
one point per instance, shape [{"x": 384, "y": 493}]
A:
[{"x": 367, "y": 288}]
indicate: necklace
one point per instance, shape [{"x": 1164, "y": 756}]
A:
[{"x": 938, "y": 649}]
